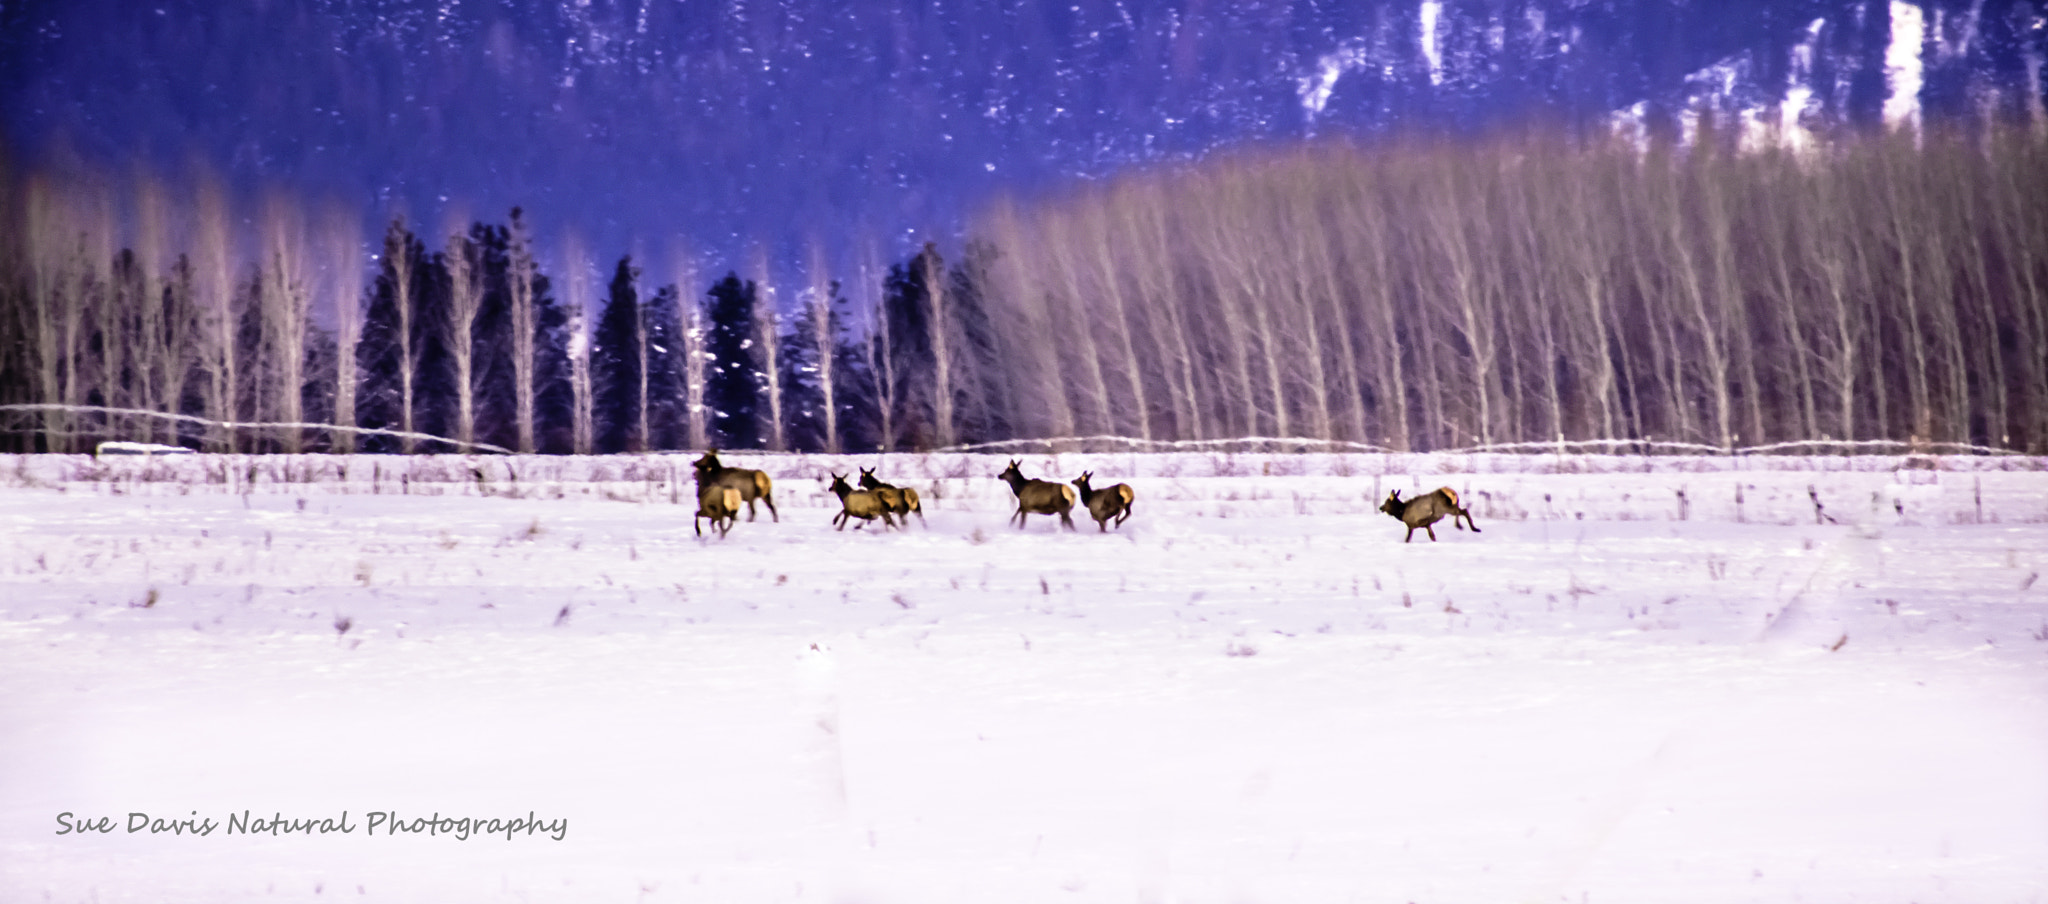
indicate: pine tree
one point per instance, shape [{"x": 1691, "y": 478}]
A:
[
  {"x": 733, "y": 388},
  {"x": 388, "y": 356},
  {"x": 803, "y": 390},
  {"x": 668, "y": 417},
  {"x": 615, "y": 364}
]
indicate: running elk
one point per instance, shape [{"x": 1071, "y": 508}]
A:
[
  {"x": 750, "y": 484},
  {"x": 900, "y": 500},
  {"x": 862, "y": 504},
  {"x": 1106, "y": 503},
  {"x": 721, "y": 505},
  {"x": 1427, "y": 509},
  {"x": 1038, "y": 497}
]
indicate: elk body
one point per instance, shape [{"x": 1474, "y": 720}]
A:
[
  {"x": 863, "y": 504},
  {"x": 1038, "y": 497},
  {"x": 721, "y": 505},
  {"x": 1113, "y": 502},
  {"x": 900, "y": 500},
  {"x": 1427, "y": 509},
  {"x": 750, "y": 484}
]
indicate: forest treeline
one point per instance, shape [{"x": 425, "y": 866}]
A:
[{"x": 1409, "y": 296}]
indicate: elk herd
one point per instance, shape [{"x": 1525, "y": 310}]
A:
[{"x": 721, "y": 491}]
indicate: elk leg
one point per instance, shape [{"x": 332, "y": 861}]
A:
[
  {"x": 771, "y": 507},
  {"x": 1432, "y": 532}
]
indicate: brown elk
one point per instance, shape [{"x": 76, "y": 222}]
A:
[
  {"x": 900, "y": 500},
  {"x": 863, "y": 504},
  {"x": 1106, "y": 503},
  {"x": 751, "y": 484},
  {"x": 1038, "y": 497},
  {"x": 721, "y": 505},
  {"x": 1427, "y": 509}
]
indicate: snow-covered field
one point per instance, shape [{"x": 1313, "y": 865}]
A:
[{"x": 1670, "y": 679}]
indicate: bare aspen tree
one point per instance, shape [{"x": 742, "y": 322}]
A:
[
  {"x": 214, "y": 291},
  {"x": 1462, "y": 297},
  {"x": 825, "y": 345},
  {"x": 1836, "y": 336},
  {"x": 767, "y": 332},
  {"x": 1111, "y": 272},
  {"x": 878, "y": 353},
  {"x": 286, "y": 304},
  {"x": 1959, "y": 200},
  {"x": 1245, "y": 270},
  {"x": 577, "y": 266},
  {"x": 1298, "y": 240},
  {"x": 1316, "y": 224},
  {"x": 691, "y": 326},
  {"x": 1141, "y": 222},
  {"x": 1902, "y": 233},
  {"x": 1706, "y": 351},
  {"x": 1371, "y": 275},
  {"x": 1655, "y": 271},
  {"x": 1864, "y": 237},
  {"x": 1069, "y": 315},
  {"x": 1531, "y": 240},
  {"x": 465, "y": 299},
  {"x": 1883, "y": 289},
  {"x": 98, "y": 311},
  {"x": 520, "y": 274},
  {"x": 1949, "y": 395},
  {"x": 2022, "y": 234},
  {"x": 1729, "y": 353},
  {"x": 398, "y": 258},
  {"x": 156, "y": 361},
  {"x": 1210, "y": 228},
  {"x": 1024, "y": 328},
  {"x": 1782, "y": 229},
  {"x": 344, "y": 254},
  {"x": 49, "y": 235},
  {"x": 643, "y": 440},
  {"x": 939, "y": 324}
]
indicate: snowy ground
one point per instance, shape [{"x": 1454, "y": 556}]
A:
[{"x": 1646, "y": 680}]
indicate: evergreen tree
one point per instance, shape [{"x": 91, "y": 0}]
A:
[
  {"x": 387, "y": 356},
  {"x": 907, "y": 305},
  {"x": 733, "y": 387},
  {"x": 668, "y": 422},
  {"x": 435, "y": 397},
  {"x": 554, "y": 398},
  {"x": 802, "y": 397},
  {"x": 981, "y": 397},
  {"x": 615, "y": 353},
  {"x": 496, "y": 395}
]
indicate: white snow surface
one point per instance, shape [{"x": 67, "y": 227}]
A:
[
  {"x": 1903, "y": 65},
  {"x": 1647, "y": 679}
]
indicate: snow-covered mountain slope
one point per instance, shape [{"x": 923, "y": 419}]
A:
[{"x": 632, "y": 120}]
